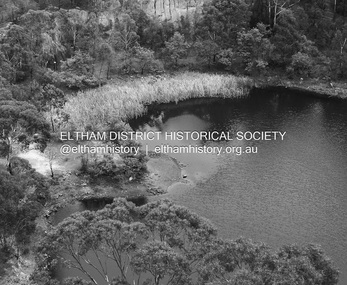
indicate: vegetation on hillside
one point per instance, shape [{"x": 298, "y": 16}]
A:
[
  {"x": 54, "y": 47},
  {"x": 23, "y": 193}
]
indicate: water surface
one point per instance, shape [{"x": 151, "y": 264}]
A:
[{"x": 291, "y": 191}]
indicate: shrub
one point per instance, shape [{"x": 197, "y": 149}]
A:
[
  {"x": 116, "y": 167},
  {"x": 301, "y": 64}
]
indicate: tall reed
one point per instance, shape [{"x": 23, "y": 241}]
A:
[{"x": 111, "y": 103}]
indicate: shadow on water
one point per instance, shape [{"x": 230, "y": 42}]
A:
[{"x": 92, "y": 204}]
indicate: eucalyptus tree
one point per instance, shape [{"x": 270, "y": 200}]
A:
[
  {"x": 162, "y": 243},
  {"x": 45, "y": 35},
  {"x": 176, "y": 47},
  {"x": 222, "y": 20},
  {"x": 246, "y": 262},
  {"x": 124, "y": 35},
  {"x": 159, "y": 242},
  {"x": 17, "y": 55}
]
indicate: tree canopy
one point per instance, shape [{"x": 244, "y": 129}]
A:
[
  {"x": 22, "y": 194},
  {"x": 162, "y": 243},
  {"x": 42, "y": 38}
]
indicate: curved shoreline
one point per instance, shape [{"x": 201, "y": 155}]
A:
[
  {"x": 131, "y": 99},
  {"x": 322, "y": 90},
  {"x": 157, "y": 181}
]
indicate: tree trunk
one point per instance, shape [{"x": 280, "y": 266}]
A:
[
  {"x": 74, "y": 39},
  {"x": 170, "y": 12},
  {"x": 51, "y": 168},
  {"x": 108, "y": 69},
  {"x": 341, "y": 55},
  {"x": 335, "y": 6},
  {"x": 269, "y": 11},
  {"x": 164, "y": 9},
  {"x": 100, "y": 72},
  {"x": 8, "y": 156},
  {"x": 52, "y": 123},
  {"x": 275, "y": 13}
]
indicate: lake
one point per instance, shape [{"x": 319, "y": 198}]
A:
[{"x": 290, "y": 190}]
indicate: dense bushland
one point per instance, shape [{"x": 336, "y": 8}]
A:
[
  {"x": 51, "y": 48},
  {"x": 23, "y": 193}
]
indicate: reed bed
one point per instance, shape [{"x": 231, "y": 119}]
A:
[{"x": 113, "y": 103}]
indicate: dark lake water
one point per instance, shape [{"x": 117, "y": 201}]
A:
[{"x": 290, "y": 191}]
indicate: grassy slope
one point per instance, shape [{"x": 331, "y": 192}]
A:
[{"x": 112, "y": 103}]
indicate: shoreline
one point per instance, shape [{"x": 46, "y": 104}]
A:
[
  {"x": 157, "y": 181},
  {"x": 312, "y": 88},
  {"x": 127, "y": 100}
]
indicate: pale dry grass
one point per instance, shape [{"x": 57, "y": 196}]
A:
[{"x": 111, "y": 103}]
